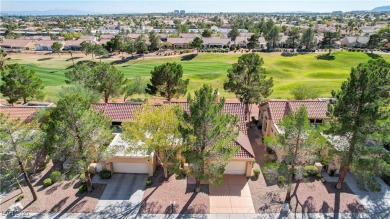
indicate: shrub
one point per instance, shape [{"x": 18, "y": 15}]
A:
[
  {"x": 55, "y": 176},
  {"x": 310, "y": 170},
  {"x": 47, "y": 182},
  {"x": 282, "y": 180},
  {"x": 105, "y": 174},
  {"x": 82, "y": 188},
  {"x": 318, "y": 175},
  {"x": 19, "y": 198},
  {"x": 149, "y": 182},
  {"x": 256, "y": 172}
]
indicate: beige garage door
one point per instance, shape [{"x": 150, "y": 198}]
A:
[
  {"x": 235, "y": 167},
  {"x": 130, "y": 167}
]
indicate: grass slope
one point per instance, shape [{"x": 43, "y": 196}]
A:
[{"x": 321, "y": 75}]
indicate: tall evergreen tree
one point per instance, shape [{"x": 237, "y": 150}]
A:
[
  {"x": 307, "y": 40},
  {"x": 208, "y": 135},
  {"x": 297, "y": 140},
  {"x": 272, "y": 37},
  {"x": 18, "y": 82},
  {"x": 197, "y": 43},
  {"x": 76, "y": 131},
  {"x": 293, "y": 37},
  {"x": 361, "y": 102},
  {"x": 253, "y": 41},
  {"x": 167, "y": 81},
  {"x": 248, "y": 81},
  {"x": 155, "y": 42},
  {"x": 20, "y": 141},
  {"x": 329, "y": 40},
  {"x": 233, "y": 34},
  {"x": 373, "y": 42}
]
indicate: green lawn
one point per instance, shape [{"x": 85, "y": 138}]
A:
[{"x": 322, "y": 75}]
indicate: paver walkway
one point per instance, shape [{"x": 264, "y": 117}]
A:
[{"x": 233, "y": 196}]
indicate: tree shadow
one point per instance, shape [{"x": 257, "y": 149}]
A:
[
  {"x": 88, "y": 62},
  {"x": 309, "y": 206},
  {"x": 327, "y": 57},
  {"x": 57, "y": 207},
  {"x": 289, "y": 54},
  {"x": 123, "y": 60},
  {"x": 36, "y": 182},
  {"x": 270, "y": 199},
  {"x": 188, "y": 57},
  {"x": 374, "y": 56},
  {"x": 44, "y": 59},
  {"x": 74, "y": 58},
  {"x": 52, "y": 189},
  {"x": 9, "y": 199}
]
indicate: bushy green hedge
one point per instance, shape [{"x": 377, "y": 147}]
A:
[
  {"x": 256, "y": 172},
  {"x": 55, "y": 176},
  {"x": 149, "y": 181},
  {"x": 47, "y": 182},
  {"x": 105, "y": 174},
  {"x": 310, "y": 170},
  {"x": 82, "y": 188},
  {"x": 20, "y": 198}
]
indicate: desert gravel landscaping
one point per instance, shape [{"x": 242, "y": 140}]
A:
[
  {"x": 158, "y": 196},
  {"x": 59, "y": 197}
]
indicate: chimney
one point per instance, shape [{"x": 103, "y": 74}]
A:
[{"x": 217, "y": 97}]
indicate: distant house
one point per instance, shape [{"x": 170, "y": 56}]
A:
[
  {"x": 45, "y": 45},
  {"x": 216, "y": 42},
  {"x": 74, "y": 45},
  {"x": 189, "y": 35},
  {"x": 179, "y": 43},
  {"x": 17, "y": 44},
  {"x": 354, "y": 41}
]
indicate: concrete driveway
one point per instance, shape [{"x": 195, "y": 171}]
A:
[
  {"x": 122, "y": 195},
  {"x": 232, "y": 197}
]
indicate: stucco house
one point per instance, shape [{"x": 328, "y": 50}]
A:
[
  {"x": 179, "y": 43},
  {"x": 17, "y": 44},
  {"x": 273, "y": 111},
  {"x": 145, "y": 162},
  {"x": 355, "y": 41},
  {"x": 45, "y": 45}
]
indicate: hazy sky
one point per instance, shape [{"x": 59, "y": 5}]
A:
[{"x": 129, "y": 6}]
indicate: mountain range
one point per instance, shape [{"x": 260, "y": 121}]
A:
[{"x": 62, "y": 12}]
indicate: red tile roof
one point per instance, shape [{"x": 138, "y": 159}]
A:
[
  {"x": 231, "y": 108},
  {"x": 277, "y": 109},
  {"x": 245, "y": 146},
  {"x": 117, "y": 112},
  {"x": 25, "y": 114}
]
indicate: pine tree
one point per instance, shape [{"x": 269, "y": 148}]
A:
[
  {"x": 208, "y": 135},
  {"x": 361, "y": 102},
  {"x": 248, "y": 81},
  {"x": 167, "y": 81}
]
